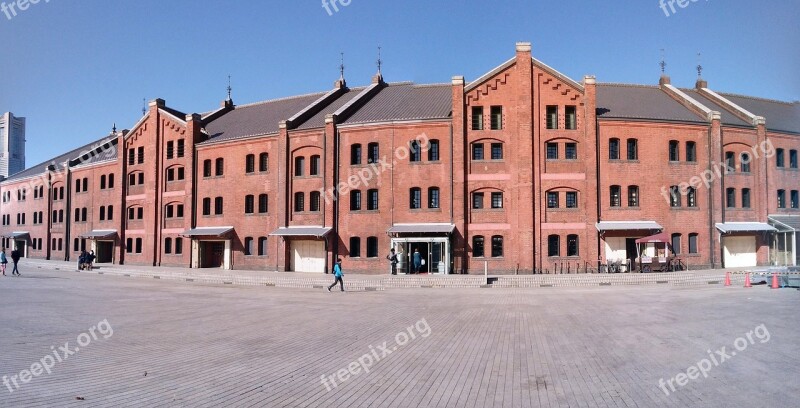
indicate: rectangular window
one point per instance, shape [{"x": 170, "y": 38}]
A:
[
  {"x": 477, "y": 246},
  {"x": 497, "y": 200},
  {"x": 170, "y": 149},
  {"x": 477, "y": 151},
  {"x": 674, "y": 153},
  {"x": 497, "y": 151},
  {"x": 372, "y": 247},
  {"x": 692, "y": 243},
  {"x": 262, "y": 246},
  {"x": 249, "y": 204},
  {"x": 676, "y": 244},
  {"x": 477, "y": 201},
  {"x": 355, "y": 200},
  {"x": 355, "y": 154},
  {"x": 374, "y": 152},
  {"x": 372, "y": 200},
  {"x": 131, "y": 157},
  {"x": 248, "y": 246},
  {"x": 138, "y": 245},
  {"x": 140, "y": 155},
  {"x": 355, "y": 247},
  {"x": 181, "y": 149},
  {"x": 263, "y": 162},
  {"x": 730, "y": 196},
  {"x": 206, "y": 206},
  {"x": 552, "y": 117},
  {"x": 745, "y": 198},
  {"x": 633, "y": 149},
  {"x": 477, "y": 118},
  {"x": 315, "y": 162},
  {"x": 263, "y": 203},
  {"x": 552, "y": 199},
  {"x": 433, "y": 150},
  {"x": 795, "y": 200},
  {"x": 299, "y": 164},
  {"x": 613, "y": 149},
  {"x": 497, "y": 246},
  {"x": 572, "y": 199},
  {"x": 633, "y": 196},
  {"x": 616, "y": 199},
  {"x": 497, "y": 117},
  {"x": 218, "y": 207},
  {"x": 570, "y": 118},
  {"x": 571, "y": 151},
  {"x": 572, "y": 245},
  {"x": 250, "y": 163},
  {"x": 554, "y": 245},
  {"x": 299, "y": 202},
  {"x": 206, "y": 168},
  {"x": 552, "y": 151},
  {"x": 178, "y": 246},
  {"x": 415, "y": 199},
  {"x": 793, "y": 159},
  {"x": 691, "y": 152},
  {"x": 779, "y": 159},
  {"x": 781, "y": 198},
  {"x": 433, "y": 198}
]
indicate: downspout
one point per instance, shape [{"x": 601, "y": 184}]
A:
[
  {"x": 337, "y": 162},
  {"x": 67, "y": 210},
  {"x": 711, "y": 227},
  {"x": 597, "y": 190}
]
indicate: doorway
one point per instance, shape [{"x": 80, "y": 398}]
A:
[
  {"x": 434, "y": 251},
  {"x": 212, "y": 254},
  {"x": 104, "y": 251},
  {"x": 22, "y": 246}
]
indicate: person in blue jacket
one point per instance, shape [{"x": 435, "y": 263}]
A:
[{"x": 337, "y": 272}]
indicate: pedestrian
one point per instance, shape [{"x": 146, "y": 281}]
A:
[
  {"x": 417, "y": 260},
  {"x": 82, "y": 260},
  {"x": 337, "y": 272},
  {"x": 3, "y": 261},
  {"x": 90, "y": 260},
  {"x": 392, "y": 257},
  {"x": 15, "y": 258}
]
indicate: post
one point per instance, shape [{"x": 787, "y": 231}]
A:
[{"x": 486, "y": 271}]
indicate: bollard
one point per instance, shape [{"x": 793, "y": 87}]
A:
[
  {"x": 727, "y": 279},
  {"x": 775, "y": 284},
  {"x": 747, "y": 280}
]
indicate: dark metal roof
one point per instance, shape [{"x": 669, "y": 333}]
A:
[
  {"x": 256, "y": 119},
  {"x": 99, "y": 234},
  {"x": 318, "y": 120},
  {"x": 641, "y": 102},
  {"x": 627, "y": 225},
  {"x": 58, "y": 161},
  {"x": 422, "y": 228},
  {"x": 728, "y": 118},
  {"x": 406, "y": 101},
  {"x": 207, "y": 232},
  {"x": 781, "y": 116}
]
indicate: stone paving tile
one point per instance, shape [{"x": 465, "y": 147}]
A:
[{"x": 208, "y": 345}]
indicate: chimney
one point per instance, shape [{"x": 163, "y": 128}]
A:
[
  {"x": 701, "y": 83},
  {"x": 664, "y": 80}
]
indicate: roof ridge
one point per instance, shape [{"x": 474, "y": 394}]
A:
[
  {"x": 440, "y": 84},
  {"x": 756, "y": 98}
]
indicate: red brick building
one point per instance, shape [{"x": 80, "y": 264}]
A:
[{"x": 522, "y": 169}]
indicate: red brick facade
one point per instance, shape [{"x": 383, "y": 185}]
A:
[{"x": 524, "y": 169}]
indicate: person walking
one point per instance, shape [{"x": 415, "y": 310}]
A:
[
  {"x": 337, "y": 273},
  {"x": 417, "y": 260},
  {"x": 392, "y": 257},
  {"x": 15, "y": 258},
  {"x": 3, "y": 261}
]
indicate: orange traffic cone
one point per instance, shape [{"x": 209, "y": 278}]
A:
[
  {"x": 727, "y": 278},
  {"x": 775, "y": 284},
  {"x": 747, "y": 280}
]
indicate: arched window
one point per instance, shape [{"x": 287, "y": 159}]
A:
[
  {"x": 478, "y": 246},
  {"x": 355, "y": 154},
  {"x": 263, "y": 203},
  {"x": 262, "y": 246},
  {"x": 433, "y": 197},
  {"x": 299, "y": 202},
  {"x": 220, "y": 167},
  {"x": 744, "y": 160},
  {"x": 103, "y": 182},
  {"x": 433, "y": 150},
  {"x": 554, "y": 245},
  {"x": 299, "y": 164},
  {"x": 355, "y": 247},
  {"x": 676, "y": 243},
  {"x": 497, "y": 246},
  {"x": 373, "y": 153},
  {"x": 250, "y": 163},
  {"x": 314, "y": 201},
  {"x": 616, "y": 196},
  {"x": 249, "y": 204},
  {"x": 633, "y": 149},
  {"x": 207, "y": 168},
  {"x": 572, "y": 245},
  {"x": 674, "y": 151},
  {"x": 372, "y": 247},
  {"x": 674, "y": 196},
  {"x": 633, "y": 196},
  {"x": 415, "y": 198},
  {"x": 167, "y": 245},
  {"x": 355, "y": 200},
  {"x": 248, "y": 246},
  {"x": 263, "y": 162}
]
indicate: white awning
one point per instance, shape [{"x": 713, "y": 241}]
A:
[
  {"x": 316, "y": 232},
  {"x": 628, "y": 226},
  {"x": 18, "y": 234},
  {"x": 422, "y": 229},
  {"x": 728, "y": 227},
  {"x": 785, "y": 223},
  {"x": 207, "y": 232},
  {"x": 98, "y": 234}
]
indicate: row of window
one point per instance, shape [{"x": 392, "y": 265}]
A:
[
  {"x": 570, "y": 117},
  {"x": 250, "y": 163},
  {"x": 794, "y": 199},
  {"x": 478, "y": 246},
  {"x": 570, "y": 151},
  {"x": 478, "y": 199},
  {"x": 177, "y": 249},
  {"x": 172, "y": 152},
  {"x": 81, "y": 214},
  {"x": 780, "y": 158},
  {"x": 495, "y": 151},
  {"x": 355, "y": 247},
  {"x": 262, "y": 246},
  {"x": 495, "y": 118},
  {"x": 136, "y": 156},
  {"x": 553, "y": 199},
  {"x": 554, "y": 245}
]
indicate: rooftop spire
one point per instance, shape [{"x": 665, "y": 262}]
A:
[
  {"x": 378, "y": 78},
  {"x": 144, "y": 106},
  {"x": 701, "y": 83},
  {"x": 699, "y": 66},
  {"x": 663, "y": 63},
  {"x": 229, "y": 88},
  {"x": 380, "y": 62},
  {"x": 114, "y": 129},
  {"x": 341, "y": 67}
]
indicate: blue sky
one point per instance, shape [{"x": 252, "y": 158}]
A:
[{"x": 74, "y": 67}]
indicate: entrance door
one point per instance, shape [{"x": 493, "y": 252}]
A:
[
  {"x": 22, "y": 246},
  {"x": 307, "y": 256},
  {"x": 423, "y": 249},
  {"x": 630, "y": 252},
  {"x": 212, "y": 254},
  {"x": 105, "y": 252},
  {"x": 739, "y": 252}
]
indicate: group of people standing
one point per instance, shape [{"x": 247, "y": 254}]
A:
[
  {"x": 417, "y": 261},
  {"x": 15, "y": 255},
  {"x": 86, "y": 260}
]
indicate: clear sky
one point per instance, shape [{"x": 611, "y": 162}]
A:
[{"x": 74, "y": 67}]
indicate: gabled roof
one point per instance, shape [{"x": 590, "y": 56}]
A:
[
  {"x": 641, "y": 102},
  {"x": 406, "y": 101},
  {"x": 262, "y": 118},
  {"x": 59, "y": 161},
  {"x": 780, "y": 116},
  {"x": 728, "y": 118},
  {"x": 318, "y": 120}
]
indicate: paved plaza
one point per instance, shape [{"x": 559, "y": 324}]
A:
[{"x": 92, "y": 340}]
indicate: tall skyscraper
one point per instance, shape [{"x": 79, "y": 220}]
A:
[{"x": 12, "y": 144}]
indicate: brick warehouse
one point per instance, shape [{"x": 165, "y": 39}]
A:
[{"x": 523, "y": 169}]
